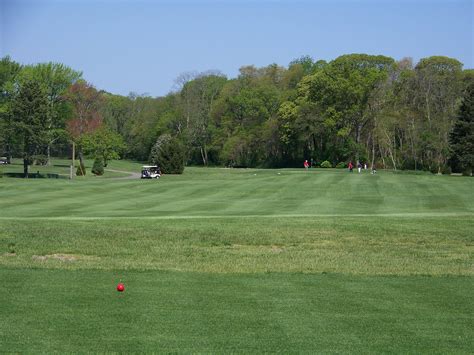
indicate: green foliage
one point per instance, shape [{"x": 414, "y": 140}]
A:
[
  {"x": 306, "y": 63},
  {"x": 357, "y": 106},
  {"x": 169, "y": 154},
  {"x": 326, "y": 164},
  {"x": 446, "y": 170},
  {"x": 56, "y": 79},
  {"x": 29, "y": 127},
  {"x": 288, "y": 113},
  {"x": 440, "y": 65},
  {"x": 462, "y": 135},
  {"x": 8, "y": 73},
  {"x": 342, "y": 91},
  {"x": 116, "y": 112},
  {"x": 198, "y": 96},
  {"x": 40, "y": 159},
  {"x": 98, "y": 167},
  {"x": 103, "y": 143},
  {"x": 341, "y": 165}
]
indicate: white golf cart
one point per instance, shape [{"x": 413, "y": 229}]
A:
[{"x": 150, "y": 172}]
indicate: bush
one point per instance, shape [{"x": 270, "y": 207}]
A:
[
  {"x": 81, "y": 170},
  {"x": 446, "y": 170},
  {"x": 433, "y": 169},
  {"x": 326, "y": 164},
  {"x": 98, "y": 167},
  {"x": 341, "y": 165},
  {"x": 169, "y": 154},
  {"x": 467, "y": 172},
  {"x": 40, "y": 160}
]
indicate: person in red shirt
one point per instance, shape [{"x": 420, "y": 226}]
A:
[
  {"x": 350, "y": 166},
  {"x": 306, "y": 164}
]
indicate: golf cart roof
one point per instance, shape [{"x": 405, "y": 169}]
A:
[{"x": 149, "y": 166}]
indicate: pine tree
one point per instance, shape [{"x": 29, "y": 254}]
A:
[
  {"x": 462, "y": 136},
  {"x": 169, "y": 154}
]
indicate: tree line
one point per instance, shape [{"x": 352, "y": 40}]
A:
[{"x": 357, "y": 107}]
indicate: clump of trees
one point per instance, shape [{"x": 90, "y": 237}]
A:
[{"x": 373, "y": 109}]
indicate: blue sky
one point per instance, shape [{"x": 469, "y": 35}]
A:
[{"x": 143, "y": 45}]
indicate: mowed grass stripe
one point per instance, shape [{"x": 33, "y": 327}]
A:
[
  {"x": 214, "y": 192},
  {"x": 244, "y": 216},
  {"x": 79, "y": 311}
]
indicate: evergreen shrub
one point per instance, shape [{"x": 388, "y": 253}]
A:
[
  {"x": 341, "y": 165},
  {"x": 169, "y": 154},
  {"x": 98, "y": 167}
]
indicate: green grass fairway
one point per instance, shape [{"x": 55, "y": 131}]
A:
[
  {"x": 79, "y": 311},
  {"x": 230, "y": 260}
]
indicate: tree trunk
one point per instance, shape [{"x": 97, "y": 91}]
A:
[
  {"x": 48, "y": 153},
  {"x": 383, "y": 159},
  {"x": 204, "y": 155},
  {"x": 428, "y": 109},
  {"x": 390, "y": 151},
  {"x": 9, "y": 153},
  {"x": 373, "y": 153},
  {"x": 81, "y": 160},
  {"x": 25, "y": 168},
  {"x": 412, "y": 142},
  {"x": 358, "y": 131}
]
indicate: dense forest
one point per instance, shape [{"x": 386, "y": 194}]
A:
[{"x": 373, "y": 109}]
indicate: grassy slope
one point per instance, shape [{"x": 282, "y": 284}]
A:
[{"x": 326, "y": 273}]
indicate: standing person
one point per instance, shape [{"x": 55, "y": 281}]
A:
[
  {"x": 359, "y": 167},
  {"x": 365, "y": 166},
  {"x": 306, "y": 164},
  {"x": 350, "y": 166}
]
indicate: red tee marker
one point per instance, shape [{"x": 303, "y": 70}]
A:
[{"x": 120, "y": 287}]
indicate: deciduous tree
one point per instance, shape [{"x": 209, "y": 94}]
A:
[
  {"x": 9, "y": 70},
  {"x": 29, "y": 111},
  {"x": 86, "y": 102},
  {"x": 103, "y": 144},
  {"x": 56, "y": 78}
]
